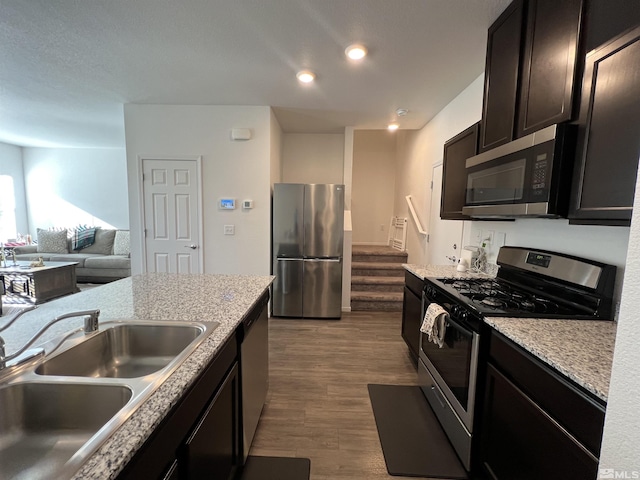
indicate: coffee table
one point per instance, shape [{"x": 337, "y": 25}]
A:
[{"x": 24, "y": 284}]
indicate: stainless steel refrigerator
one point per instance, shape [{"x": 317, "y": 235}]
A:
[{"x": 307, "y": 233}]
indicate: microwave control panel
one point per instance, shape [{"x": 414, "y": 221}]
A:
[{"x": 539, "y": 180}]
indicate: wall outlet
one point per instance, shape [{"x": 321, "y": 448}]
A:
[
  {"x": 229, "y": 229},
  {"x": 487, "y": 237}
]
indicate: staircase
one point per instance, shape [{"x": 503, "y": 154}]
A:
[{"x": 377, "y": 278}]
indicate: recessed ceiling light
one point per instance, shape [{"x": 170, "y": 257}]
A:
[
  {"x": 356, "y": 51},
  {"x": 401, "y": 112},
  {"x": 393, "y": 126},
  {"x": 306, "y": 76}
]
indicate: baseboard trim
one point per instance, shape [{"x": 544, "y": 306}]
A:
[{"x": 346, "y": 309}]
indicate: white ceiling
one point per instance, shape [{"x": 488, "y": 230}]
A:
[{"x": 68, "y": 66}]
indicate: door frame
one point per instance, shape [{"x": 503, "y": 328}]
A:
[{"x": 141, "y": 211}]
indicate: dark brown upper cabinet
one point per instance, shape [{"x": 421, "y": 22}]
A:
[
  {"x": 550, "y": 64},
  {"x": 454, "y": 175},
  {"x": 533, "y": 62},
  {"x": 608, "y": 138},
  {"x": 501, "y": 78}
]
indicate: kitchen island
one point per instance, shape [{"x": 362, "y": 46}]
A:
[{"x": 225, "y": 299}]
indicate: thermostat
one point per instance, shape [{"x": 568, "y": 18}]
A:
[
  {"x": 227, "y": 204},
  {"x": 247, "y": 204}
]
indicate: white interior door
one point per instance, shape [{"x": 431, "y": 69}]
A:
[
  {"x": 445, "y": 236},
  {"x": 172, "y": 219}
]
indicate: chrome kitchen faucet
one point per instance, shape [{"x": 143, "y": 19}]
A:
[{"x": 90, "y": 325}]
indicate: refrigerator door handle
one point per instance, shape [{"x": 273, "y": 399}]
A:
[{"x": 322, "y": 259}]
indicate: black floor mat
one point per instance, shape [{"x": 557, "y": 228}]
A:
[
  {"x": 413, "y": 442},
  {"x": 276, "y": 468}
]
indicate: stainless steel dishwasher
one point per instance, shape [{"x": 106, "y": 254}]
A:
[{"x": 254, "y": 372}]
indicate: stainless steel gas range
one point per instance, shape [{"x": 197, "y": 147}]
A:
[{"x": 529, "y": 283}]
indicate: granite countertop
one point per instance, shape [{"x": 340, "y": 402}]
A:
[
  {"x": 448, "y": 271},
  {"x": 580, "y": 349},
  {"x": 177, "y": 297}
]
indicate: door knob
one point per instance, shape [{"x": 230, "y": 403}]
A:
[{"x": 192, "y": 247}]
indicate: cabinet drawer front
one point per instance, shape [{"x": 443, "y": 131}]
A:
[
  {"x": 579, "y": 413},
  {"x": 413, "y": 283}
]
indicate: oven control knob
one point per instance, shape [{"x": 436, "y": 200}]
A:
[
  {"x": 455, "y": 310},
  {"x": 463, "y": 314}
]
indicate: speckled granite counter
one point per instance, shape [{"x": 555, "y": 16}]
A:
[
  {"x": 206, "y": 298},
  {"x": 449, "y": 271},
  {"x": 580, "y": 349}
]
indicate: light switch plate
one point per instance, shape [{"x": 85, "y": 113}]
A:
[{"x": 229, "y": 229}]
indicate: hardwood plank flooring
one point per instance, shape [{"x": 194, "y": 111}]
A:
[{"x": 318, "y": 405}]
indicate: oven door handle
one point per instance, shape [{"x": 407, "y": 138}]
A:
[{"x": 466, "y": 331}]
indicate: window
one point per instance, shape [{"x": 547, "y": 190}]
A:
[{"x": 7, "y": 208}]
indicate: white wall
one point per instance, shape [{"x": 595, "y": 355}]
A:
[
  {"x": 11, "y": 164},
  {"x": 312, "y": 158},
  {"x": 66, "y": 187},
  {"x": 374, "y": 172},
  {"x": 240, "y": 169},
  {"x": 621, "y": 442},
  {"x": 419, "y": 151}
]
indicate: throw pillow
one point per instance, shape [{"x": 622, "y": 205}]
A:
[
  {"x": 122, "y": 243},
  {"x": 103, "y": 242},
  {"x": 83, "y": 237},
  {"x": 52, "y": 241}
]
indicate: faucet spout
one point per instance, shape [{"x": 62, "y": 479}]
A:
[{"x": 90, "y": 325}]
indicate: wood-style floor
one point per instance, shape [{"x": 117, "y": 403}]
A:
[{"x": 318, "y": 405}]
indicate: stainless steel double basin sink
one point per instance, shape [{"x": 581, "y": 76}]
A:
[{"x": 57, "y": 411}]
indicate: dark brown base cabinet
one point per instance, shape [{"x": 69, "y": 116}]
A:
[
  {"x": 412, "y": 313},
  {"x": 201, "y": 437},
  {"x": 536, "y": 425}
]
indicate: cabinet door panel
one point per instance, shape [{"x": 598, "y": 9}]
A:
[
  {"x": 212, "y": 450},
  {"x": 454, "y": 175},
  {"x": 501, "y": 78},
  {"x": 520, "y": 441},
  {"x": 608, "y": 140},
  {"x": 550, "y": 64},
  {"x": 411, "y": 321}
]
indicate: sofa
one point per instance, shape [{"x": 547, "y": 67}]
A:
[{"x": 102, "y": 255}]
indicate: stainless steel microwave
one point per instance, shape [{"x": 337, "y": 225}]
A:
[{"x": 528, "y": 177}]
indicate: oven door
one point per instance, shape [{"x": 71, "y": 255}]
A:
[{"x": 454, "y": 368}]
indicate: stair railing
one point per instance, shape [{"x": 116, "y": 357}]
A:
[{"x": 415, "y": 216}]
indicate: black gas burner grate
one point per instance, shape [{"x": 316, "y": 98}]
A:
[{"x": 495, "y": 295}]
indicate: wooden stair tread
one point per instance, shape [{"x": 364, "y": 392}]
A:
[
  {"x": 376, "y": 250},
  {"x": 375, "y": 265},
  {"x": 357, "y": 279},
  {"x": 377, "y": 296}
]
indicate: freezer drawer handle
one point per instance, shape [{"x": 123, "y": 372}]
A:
[
  {"x": 336, "y": 260},
  {"x": 287, "y": 259}
]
